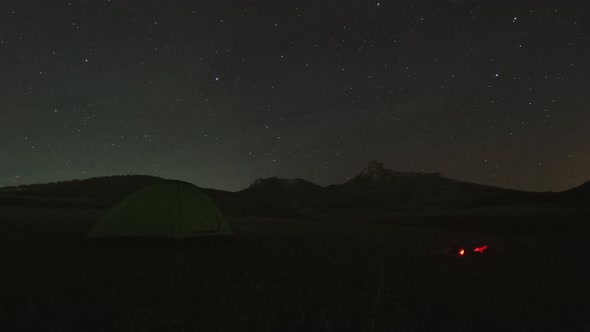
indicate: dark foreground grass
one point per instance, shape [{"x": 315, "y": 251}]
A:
[{"x": 296, "y": 275}]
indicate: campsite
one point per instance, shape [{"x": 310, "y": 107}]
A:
[
  {"x": 294, "y": 165},
  {"x": 294, "y": 274}
]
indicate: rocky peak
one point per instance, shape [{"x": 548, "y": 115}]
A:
[
  {"x": 583, "y": 189},
  {"x": 265, "y": 182},
  {"x": 275, "y": 182},
  {"x": 372, "y": 172}
]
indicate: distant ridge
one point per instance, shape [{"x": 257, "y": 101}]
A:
[
  {"x": 375, "y": 172},
  {"x": 582, "y": 189},
  {"x": 276, "y": 196},
  {"x": 275, "y": 183},
  {"x": 375, "y": 187},
  {"x": 580, "y": 193},
  {"x": 379, "y": 187},
  {"x": 92, "y": 192}
]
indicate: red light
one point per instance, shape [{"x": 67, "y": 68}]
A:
[
  {"x": 481, "y": 249},
  {"x": 461, "y": 252}
]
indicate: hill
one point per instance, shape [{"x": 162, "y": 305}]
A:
[
  {"x": 275, "y": 185},
  {"x": 378, "y": 187},
  {"x": 276, "y": 196},
  {"x": 576, "y": 195},
  {"x": 94, "y": 192},
  {"x": 97, "y": 192},
  {"x": 374, "y": 188}
]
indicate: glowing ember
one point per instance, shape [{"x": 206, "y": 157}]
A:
[
  {"x": 461, "y": 252},
  {"x": 481, "y": 249}
]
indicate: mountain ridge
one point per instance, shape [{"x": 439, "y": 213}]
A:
[{"x": 373, "y": 187}]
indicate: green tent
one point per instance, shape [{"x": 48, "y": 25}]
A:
[{"x": 168, "y": 209}]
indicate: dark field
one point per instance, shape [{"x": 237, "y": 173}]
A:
[{"x": 299, "y": 275}]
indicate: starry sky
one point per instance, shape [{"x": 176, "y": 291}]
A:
[{"x": 220, "y": 93}]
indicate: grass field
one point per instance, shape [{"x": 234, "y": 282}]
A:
[{"x": 298, "y": 275}]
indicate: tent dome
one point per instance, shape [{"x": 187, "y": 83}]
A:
[{"x": 168, "y": 209}]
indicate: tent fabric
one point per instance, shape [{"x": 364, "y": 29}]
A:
[{"x": 169, "y": 209}]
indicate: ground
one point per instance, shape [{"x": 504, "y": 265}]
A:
[{"x": 298, "y": 275}]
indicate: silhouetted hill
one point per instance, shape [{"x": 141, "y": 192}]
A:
[
  {"x": 97, "y": 192},
  {"x": 274, "y": 185},
  {"x": 276, "y": 196},
  {"x": 376, "y": 186},
  {"x": 93, "y": 192},
  {"x": 579, "y": 194},
  {"x": 373, "y": 188}
]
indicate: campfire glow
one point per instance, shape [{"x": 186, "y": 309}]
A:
[
  {"x": 481, "y": 249},
  {"x": 461, "y": 252}
]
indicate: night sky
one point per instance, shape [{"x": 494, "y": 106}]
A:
[{"x": 219, "y": 93}]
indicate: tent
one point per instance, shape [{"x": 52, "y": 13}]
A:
[{"x": 168, "y": 209}]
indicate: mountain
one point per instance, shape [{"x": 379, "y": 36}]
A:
[
  {"x": 378, "y": 187},
  {"x": 93, "y": 192},
  {"x": 579, "y": 194},
  {"x": 97, "y": 192},
  {"x": 276, "y": 196},
  {"x": 275, "y": 185},
  {"x": 375, "y": 187}
]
